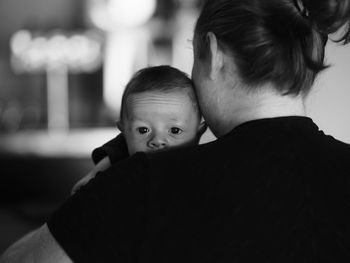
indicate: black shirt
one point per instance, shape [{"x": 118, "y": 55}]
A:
[{"x": 272, "y": 190}]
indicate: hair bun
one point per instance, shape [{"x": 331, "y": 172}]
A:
[{"x": 329, "y": 16}]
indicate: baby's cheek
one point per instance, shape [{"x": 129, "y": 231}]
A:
[
  {"x": 131, "y": 143},
  {"x": 138, "y": 145},
  {"x": 194, "y": 140},
  {"x": 186, "y": 140}
]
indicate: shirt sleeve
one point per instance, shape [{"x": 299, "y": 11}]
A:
[
  {"x": 116, "y": 150},
  {"x": 106, "y": 220}
]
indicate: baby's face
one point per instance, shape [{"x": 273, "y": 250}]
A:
[{"x": 157, "y": 120}]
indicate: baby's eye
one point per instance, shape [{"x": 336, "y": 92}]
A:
[
  {"x": 143, "y": 130},
  {"x": 175, "y": 130}
]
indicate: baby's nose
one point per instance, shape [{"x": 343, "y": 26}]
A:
[{"x": 158, "y": 142}]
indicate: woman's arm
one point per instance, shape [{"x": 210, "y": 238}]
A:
[{"x": 38, "y": 246}]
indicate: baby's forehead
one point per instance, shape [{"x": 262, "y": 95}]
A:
[
  {"x": 168, "y": 97},
  {"x": 178, "y": 99},
  {"x": 177, "y": 92}
]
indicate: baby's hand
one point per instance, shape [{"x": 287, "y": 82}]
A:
[
  {"x": 83, "y": 182},
  {"x": 101, "y": 166}
]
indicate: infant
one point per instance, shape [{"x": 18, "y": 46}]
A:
[{"x": 159, "y": 111}]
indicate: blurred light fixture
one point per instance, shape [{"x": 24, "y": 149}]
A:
[
  {"x": 34, "y": 52},
  {"x": 123, "y": 21},
  {"x": 110, "y": 15},
  {"x": 130, "y": 12},
  {"x": 20, "y": 41},
  {"x": 56, "y": 53}
]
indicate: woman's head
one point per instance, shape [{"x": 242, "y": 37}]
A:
[{"x": 281, "y": 42}]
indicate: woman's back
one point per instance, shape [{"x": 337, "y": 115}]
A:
[{"x": 279, "y": 193}]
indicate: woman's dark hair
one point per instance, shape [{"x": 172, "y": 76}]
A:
[
  {"x": 160, "y": 78},
  {"x": 274, "y": 41}
]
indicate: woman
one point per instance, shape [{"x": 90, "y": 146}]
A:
[
  {"x": 273, "y": 50},
  {"x": 272, "y": 188}
]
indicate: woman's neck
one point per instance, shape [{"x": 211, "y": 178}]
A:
[{"x": 243, "y": 106}]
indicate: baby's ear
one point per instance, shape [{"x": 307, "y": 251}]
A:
[
  {"x": 120, "y": 126},
  {"x": 202, "y": 128}
]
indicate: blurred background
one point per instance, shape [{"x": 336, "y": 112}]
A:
[{"x": 63, "y": 67}]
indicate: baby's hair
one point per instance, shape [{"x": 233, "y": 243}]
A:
[{"x": 159, "y": 78}]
